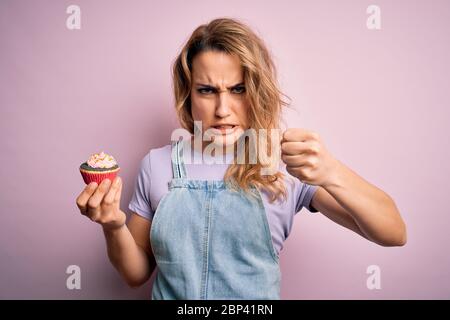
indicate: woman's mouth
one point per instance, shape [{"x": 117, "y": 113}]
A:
[{"x": 224, "y": 129}]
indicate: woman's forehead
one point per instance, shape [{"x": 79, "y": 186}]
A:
[{"x": 215, "y": 68}]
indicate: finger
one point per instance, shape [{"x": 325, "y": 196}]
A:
[
  {"x": 294, "y": 148},
  {"x": 84, "y": 196},
  {"x": 118, "y": 193},
  {"x": 299, "y": 134},
  {"x": 293, "y": 171},
  {"x": 95, "y": 200},
  {"x": 110, "y": 217},
  {"x": 109, "y": 198},
  {"x": 295, "y": 160}
]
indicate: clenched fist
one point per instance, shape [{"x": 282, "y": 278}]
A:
[
  {"x": 101, "y": 203},
  {"x": 306, "y": 157}
]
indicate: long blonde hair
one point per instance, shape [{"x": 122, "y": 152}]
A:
[{"x": 234, "y": 37}]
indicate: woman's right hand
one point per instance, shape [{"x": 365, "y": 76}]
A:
[{"x": 101, "y": 203}]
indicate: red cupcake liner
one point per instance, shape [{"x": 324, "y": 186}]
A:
[{"x": 98, "y": 176}]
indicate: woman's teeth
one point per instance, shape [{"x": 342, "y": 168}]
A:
[{"x": 224, "y": 127}]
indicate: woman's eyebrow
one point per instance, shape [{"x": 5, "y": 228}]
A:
[{"x": 210, "y": 86}]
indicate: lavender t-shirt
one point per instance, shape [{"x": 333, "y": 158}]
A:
[{"x": 156, "y": 171}]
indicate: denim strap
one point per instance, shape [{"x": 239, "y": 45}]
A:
[{"x": 178, "y": 167}]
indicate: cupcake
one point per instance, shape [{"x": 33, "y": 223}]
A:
[{"x": 99, "y": 166}]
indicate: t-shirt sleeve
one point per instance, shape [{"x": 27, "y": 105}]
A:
[
  {"x": 140, "y": 201},
  {"x": 306, "y": 194}
]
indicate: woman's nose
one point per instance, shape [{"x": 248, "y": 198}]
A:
[{"x": 223, "y": 109}]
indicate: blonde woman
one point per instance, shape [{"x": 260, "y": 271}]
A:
[{"x": 214, "y": 231}]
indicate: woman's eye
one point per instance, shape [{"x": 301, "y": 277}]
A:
[
  {"x": 239, "y": 90},
  {"x": 204, "y": 90}
]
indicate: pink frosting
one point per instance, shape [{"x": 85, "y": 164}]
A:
[{"x": 101, "y": 160}]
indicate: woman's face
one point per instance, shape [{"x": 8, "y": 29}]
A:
[{"x": 218, "y": 97}]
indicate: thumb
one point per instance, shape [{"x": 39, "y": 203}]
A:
[
  {"x": 118, "y": 192},
  {"x": 282, "y": 138}
]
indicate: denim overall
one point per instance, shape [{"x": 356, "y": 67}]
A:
[{"x": 211, "y": 242}]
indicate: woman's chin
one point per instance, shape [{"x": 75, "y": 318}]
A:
[{"x": 223, "y": 140}]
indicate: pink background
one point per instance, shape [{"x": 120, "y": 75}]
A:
[{"x": 379, "y": 100}]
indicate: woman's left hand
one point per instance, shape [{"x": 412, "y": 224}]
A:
[{"x": 307, "y": 158}]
